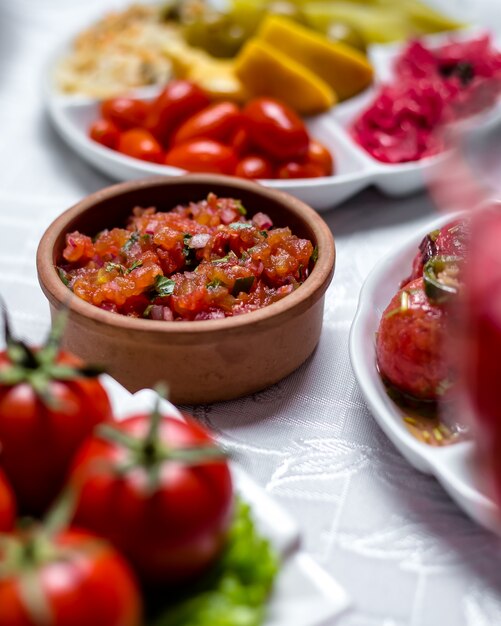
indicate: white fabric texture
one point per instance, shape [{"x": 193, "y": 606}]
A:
[{"x": 391, "y": 536}]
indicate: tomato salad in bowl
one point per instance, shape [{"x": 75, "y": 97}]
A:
[{"x": 221, "y": 303}]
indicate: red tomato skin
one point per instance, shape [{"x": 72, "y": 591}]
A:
[
  {"x": 241, "y": 142},
  {"x": 125, "y": 113},
  {"x": 92, "y": 586},
  {"x": 276, "y": 129},
  {"x": 254, "y": 166},
  {"x": 410, "y": 344},
  {"x": 203, "y": 155},
  {"x": 140, "y": 144},
  {"x": 217, "y": 121},
  {"x": 172, "y": 535},
  {"x": 105, "y": 132},
  {"x": 7, "y": 505},
  {"x": 299, "y": 169},
  {"x": 177, "y": 102},
  {"x": 321, "y": 156},
  {"x": 38, "y": 443}
]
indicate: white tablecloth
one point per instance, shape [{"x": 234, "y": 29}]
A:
[{"x": 391, "y": 536}]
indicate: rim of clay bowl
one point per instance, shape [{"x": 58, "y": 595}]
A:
[{"x": 298, "y": 301}]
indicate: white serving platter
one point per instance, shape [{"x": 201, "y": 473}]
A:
[
  {"x": 454, "y": 466},
  {"x": 355, "y": 168},
  {"x": 304, "y": 594}
]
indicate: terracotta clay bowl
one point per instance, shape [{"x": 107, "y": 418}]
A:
[{"x": 201, "y": 361}]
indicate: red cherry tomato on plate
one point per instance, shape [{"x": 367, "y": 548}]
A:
[
  {"x": 40, "y": 436},
  {"x": 241, "y": 141},
  {"x": 140, "y": 144},
  {"x": 168, "y": 517},
  {"x": 106, "y": 133},
  {"x": 125, "y": 113},
  {"x": 203, "y": 155},
  {"x": 7, "y": 505},
  {"x": 320, "y": 155},
  {"x": 254, "y": 166},
  {"x": 177, "y": 102},
  {"x": 276, "y": 129},
  {"x": 79, "y": 581},
  {"x": 217, "y": 121},
  {"x": 298, "y": 169}
]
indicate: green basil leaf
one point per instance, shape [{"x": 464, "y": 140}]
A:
[
  {"x": 164, "y": 286},
  {"x": 242, "y": 284}
]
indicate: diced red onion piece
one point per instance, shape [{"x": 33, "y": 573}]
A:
[
  {"x": 168, "y": 315},
  {"x": 199, "y": 241},
  {"x": 262, "y": 221},
  {"x": 156, "y": 312}
]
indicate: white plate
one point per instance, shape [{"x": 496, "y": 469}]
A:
[
  {"x": 304, "y": 595},
  {"x": 355, "y": 168},
  {"x": 454, "y": 466}
]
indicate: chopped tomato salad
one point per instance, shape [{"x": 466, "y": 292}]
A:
[{"x": 201, "y": 261}]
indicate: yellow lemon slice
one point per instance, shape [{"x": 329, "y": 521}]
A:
[
  {"x": 345, "y": 69},
  {"x": 265, "y": 71}
]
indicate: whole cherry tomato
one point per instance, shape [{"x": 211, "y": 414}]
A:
[
  {"x": 7, "y": 505},
  {"x": 125, "y": 113},
  {"x": 241, "y": 141},
  {"x": 105, "y": 132},
  {"x": 276, "y": 129},
  {"x": 254, "y": 166},
  {"x": 67, "y": 579},
  {"x": 159, "y": 491},
  {"x": 320, "y": 155},
  {"x": 203, "y": 155},
  {"x": 140, "y": 144},
  {"x": 49, "y": 404},
  {"x": 178, "y": 101},
  {"x": 217, "y": 121},
  {"x": 299, "y": 169}
]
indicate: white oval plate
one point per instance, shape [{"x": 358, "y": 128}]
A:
[
  {"x": 355, "y": 168},
  {"x": 454, "y": 465},
  {"x": 304, "y": 593}
]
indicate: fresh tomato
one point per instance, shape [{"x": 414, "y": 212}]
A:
[
  {"x": 203, "y": 155},
  {"x": 276, "y": 129},
  {"x": 67, "y": 579},
  {"x": 125, "y": 113},
  {"x": 241, "y": 141},
  {"x": 217, "y": 121},
  {"x": 299, "y": 169},
  {"x": 48, "y": 405},
  {"x": 7, "y": 505},
  {"x": 254, "y": 166},
  {"x": 320, "y": 155},
  {"x": 140, "y": 144},
  {"x": 177, "y": 102},
  {"x": 159, "y": 491},
  {"x": 105, "y": 132}
]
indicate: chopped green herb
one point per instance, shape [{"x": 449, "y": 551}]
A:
[
  {"x": 134, "y": 266},
  {"x": 146, "y": 237},
  {"x": 434, "y": 234},
  {"x": 242, "y": 284},
  {"x": 314, "y": 255},
  {"x": 63, "y": 277},
  {"x": 236, "y": 591},
  {"x": 215, "y": 283},
  {"x": 264, "y": 233},
  {"x": 110, "y": 267},
  {"x": 231, "y": 256},
  {"x": 147, "y": 310},
  {"x": 186, "y": 238},
  {"x": 240, "y": 207},
  {"x": 134, "y": 238},
  {"x": 164, "y": 286},
  {"x": 240, "y": 226}
]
